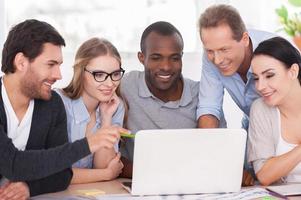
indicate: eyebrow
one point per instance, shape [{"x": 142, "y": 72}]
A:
[
  {"x": 101, "y": 71},
  {"x": 155, "y": 54},
  {"x": 177, "y": 54},
  {"x": 265, "y": 71},
  {"x": 55, "y": 62},
  {"x": 223, "y": 47},
  {"x": 174, "y": 54}
]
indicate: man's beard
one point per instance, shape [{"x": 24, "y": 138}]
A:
[{"x": 32, "y": 87}]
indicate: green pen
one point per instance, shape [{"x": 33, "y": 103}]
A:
[{"x": 127, "y": 135}]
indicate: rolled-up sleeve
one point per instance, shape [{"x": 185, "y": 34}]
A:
[
  {"x": 118, "y": 118},
  {"x": 211, "y": 91}
]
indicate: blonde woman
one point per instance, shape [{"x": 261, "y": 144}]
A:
[{"x": 91, "y": 100}]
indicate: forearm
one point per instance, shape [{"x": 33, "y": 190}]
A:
[
  {"x": 102, "y": 157},
  {"x": 208, "y": 121},
  {"x": 89, "y": 175},
  {"x": 106, "y": 121},
  {"x": 36, "y": 164},
  {"x": 269, "y": 173},
  {"x": 54, "y": 183}
]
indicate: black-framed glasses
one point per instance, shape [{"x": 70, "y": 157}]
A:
[{"x": 101, "y": 76}]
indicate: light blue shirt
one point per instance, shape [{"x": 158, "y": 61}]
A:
[
  {"x": 213, "y": 83},
  {"x": 77, "y": 119}
]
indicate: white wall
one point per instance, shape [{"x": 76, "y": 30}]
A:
[
  {"x": 258, "y": 14},
  {"x": 2, "y": 22}
]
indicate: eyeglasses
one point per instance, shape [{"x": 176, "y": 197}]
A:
[{"x": 101, "y": 76}]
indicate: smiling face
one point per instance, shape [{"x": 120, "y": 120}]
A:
[
  {"x": 42, "y": 73},
  {"x": 223, "y": 50},
  {"x": 162, "y": 61},
  {"x": 272, "y": 79},
  {"x": 100, "y": 91}
]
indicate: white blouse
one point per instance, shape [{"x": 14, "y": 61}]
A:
[{"x": 282, "y": 148}]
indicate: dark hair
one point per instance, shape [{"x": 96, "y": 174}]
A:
[
  {"x": 28, "y": 37},
  {"x": 160, "y": 27},
  {"x": 223, "y": 14},
  {"x": 282, "y": 50}
]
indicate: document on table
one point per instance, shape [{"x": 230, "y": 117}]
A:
[
  {"x": 286, "y": 190},
  {"x": 244, "y": 194}
]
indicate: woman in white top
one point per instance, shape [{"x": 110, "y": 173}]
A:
[
  {"x": 91, "y": 100},
  {"x": 275, "y": 119}
]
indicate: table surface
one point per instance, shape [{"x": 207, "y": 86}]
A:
[{"x": 108, "y": 187}]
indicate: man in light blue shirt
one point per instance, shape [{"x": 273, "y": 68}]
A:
[{"x": 228, "y": 50}]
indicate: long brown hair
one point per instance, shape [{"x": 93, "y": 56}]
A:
[{"x": 90, "y": 49}]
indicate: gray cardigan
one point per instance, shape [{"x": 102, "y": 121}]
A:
[
  {"x": 264, "y": 133},
  {"x": 45, "y": 164}
]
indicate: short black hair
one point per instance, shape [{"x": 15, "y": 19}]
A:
[
  {"x": 28, "y": 37},
  {"x": 282, "y": 50},
  {"x": 160, "y": 27}
]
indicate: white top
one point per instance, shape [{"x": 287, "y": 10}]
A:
[
  {"x": 282, "y": 148},
  {"x": 17, "y": 131}
]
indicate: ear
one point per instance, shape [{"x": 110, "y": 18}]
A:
[
  {"x": 141, "y": 57},
  {"x": 245, "y": 39},
  {"x": 21, "y": 62},
  {"x": 294, "y": 71}
]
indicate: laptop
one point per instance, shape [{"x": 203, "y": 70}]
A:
[{"x": 188, "y": 161}]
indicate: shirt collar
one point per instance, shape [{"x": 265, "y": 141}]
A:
[
  {"x": 80, "y": 111},
  {"x": 255, "y": 40},
  {"x": 143, "y": 90},
  {"x": 186, "y": 97},
  {"x": 255, "y": 43}
]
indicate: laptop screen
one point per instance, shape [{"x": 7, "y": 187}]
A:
[{"x": 186, "y": 161}]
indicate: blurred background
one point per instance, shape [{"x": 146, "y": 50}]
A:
[{"x": 122, "y": 22}]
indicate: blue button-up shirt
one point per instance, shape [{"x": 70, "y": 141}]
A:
[
  {"x": 77, "y": 119},
  {"x": 213, "y": 83}
]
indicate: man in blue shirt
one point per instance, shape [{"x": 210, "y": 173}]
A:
[{"x": 228, "y": 49}]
